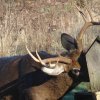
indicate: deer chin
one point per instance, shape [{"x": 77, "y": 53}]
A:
[{"x": 53, "y": 71}]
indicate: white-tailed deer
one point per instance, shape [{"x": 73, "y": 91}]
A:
[
  {"x": 43, "y": 76},
  {"x": 54, "y": 88},
  {"x": 74, "y": 48}
]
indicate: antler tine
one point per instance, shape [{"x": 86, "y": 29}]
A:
[
  {"x": 40, "y": 58},
  {"x": 81, "y": 13},
  {"x": 31, "y": 54},
  {"x": 58, "y": 54},
  {"x": 83, "y": 29},
  {"x": 48, "y": 60},
  {"x": 89, "y": 14},
  {"x": 37, "y": 60}
]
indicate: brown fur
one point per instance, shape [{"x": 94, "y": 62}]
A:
[{"x": 48, "y": 88}]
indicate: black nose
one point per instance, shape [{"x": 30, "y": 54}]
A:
[{"x": 75, "y": 72}]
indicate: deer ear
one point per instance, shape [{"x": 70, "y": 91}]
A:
[{"x": 68, "y": 42}]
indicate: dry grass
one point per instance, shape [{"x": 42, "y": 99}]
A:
[{"x": 42, "y": 21}]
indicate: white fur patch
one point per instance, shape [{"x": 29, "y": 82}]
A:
[{"x": 54, "y": 71}]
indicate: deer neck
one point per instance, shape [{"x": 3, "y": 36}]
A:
[
  {"x": 61, "y": 84},
  {"x": 53, "y": 89}
]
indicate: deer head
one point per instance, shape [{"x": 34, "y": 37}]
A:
[{"x": 61, "y": 64}]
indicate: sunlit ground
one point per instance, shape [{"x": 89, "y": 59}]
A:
[{"x": 83, "y": 87}]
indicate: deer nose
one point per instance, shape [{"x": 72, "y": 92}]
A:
[{"x": 76, "y": 71}]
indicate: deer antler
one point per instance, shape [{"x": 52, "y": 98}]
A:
[
  {"x": 85, "y": 26},
  {"x": 48, "y": 60}
]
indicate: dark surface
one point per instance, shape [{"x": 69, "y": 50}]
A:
[{"x": 84, "y": 96}]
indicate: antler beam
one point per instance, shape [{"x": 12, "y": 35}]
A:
[
  {"x": 85, "y": 26},
  {"x": 49, "y": 60}
]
